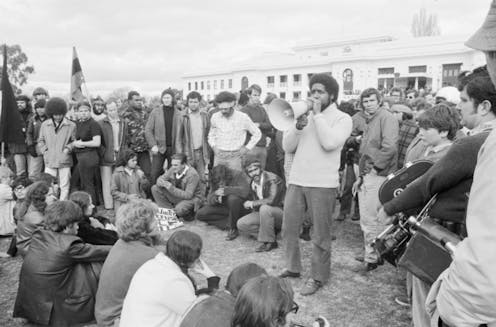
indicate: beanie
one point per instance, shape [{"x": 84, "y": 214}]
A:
[
  {"x": 56, "y": 106},
  {"x": 330, "y": 84},
  {"x": 251, "y": 159},
  {"x": 40, "y": 90}
]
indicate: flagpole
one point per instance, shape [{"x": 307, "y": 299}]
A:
[{"x": 3, "y": 154}]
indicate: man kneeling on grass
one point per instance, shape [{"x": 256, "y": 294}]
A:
[
  {"x": 266, "y": 200},
  {"x": 179, "y": 188}
]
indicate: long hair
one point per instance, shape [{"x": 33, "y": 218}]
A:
[
  {"x": 35, "y": 196},
  {"x": 241, "y": 274},
  {"x": 82, "y": 199},
  {"x": 184, "y": 248},
  {"x": 124, "y": 157},
  {"x": 263, "y": 301},
  {"x": 221, "y": 174}
]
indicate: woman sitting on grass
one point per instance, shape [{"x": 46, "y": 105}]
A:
[
  {"x": 96, "y": 231},
  {"x": 34, "y": 208},
  {"x": 59, "y": 275},
  {"x": 162, "y": 290},
  {"x": 128, "y": 180}
]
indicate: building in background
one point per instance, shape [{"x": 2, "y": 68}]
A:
[{"x": 382, "y": 62}]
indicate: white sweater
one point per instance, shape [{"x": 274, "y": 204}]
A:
[
  {"x": 158, "y": 295},
  {"x": 317, "y": 148}
]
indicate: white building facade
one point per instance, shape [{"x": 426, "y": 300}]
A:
[{"x": 380, "y": 62}]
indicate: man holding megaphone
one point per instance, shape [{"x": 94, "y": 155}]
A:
[{"x": 316, "y": 137}]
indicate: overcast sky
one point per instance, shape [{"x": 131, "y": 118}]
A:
[{"x": 148, "y": 45}]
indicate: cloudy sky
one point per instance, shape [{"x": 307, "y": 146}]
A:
[{"x": 148, "y": 45}]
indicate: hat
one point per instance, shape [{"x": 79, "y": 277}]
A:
[
  {"x": 485, "y": 37},
  {"x": 449, "y": 93},
  {"x": 40, "y": 90},
  {"x": 56, "y": 106},
  {"x": 22, "y": 97},
  {"x": 251, "y": 159},
  {"x": 397, "y": 107}
]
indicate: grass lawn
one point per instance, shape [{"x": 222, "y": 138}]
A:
[{"x": 349, "y": 299}]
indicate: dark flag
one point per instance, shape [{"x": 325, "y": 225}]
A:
[
  {"x": 11, "y": 122},
  {"x": 77, "y": 78}
]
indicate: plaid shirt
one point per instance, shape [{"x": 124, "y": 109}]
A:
[
  {"x": 229, "y": 134},
  {"x": 408, "y": 131}
]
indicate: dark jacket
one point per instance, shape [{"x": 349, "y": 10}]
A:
[
  {"x": 273, "y": 191},
  {"x": 258, "y": 115},
  {"x": 31, "y": 221},
  {"x": 95, "y": 235},
  {"x": 58, "y": 279},
  {"x": 238, "y": 185},
  {"x": 108, "y": 155},
  {"x": 213, "y": 311},
  {"x": 33, "y": 131},
  {"x": 123, "y": 184},
  {"x": 184, "y": 142}
]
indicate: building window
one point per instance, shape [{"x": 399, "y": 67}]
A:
[
  {"x": 283, "y": 80},
  {"x": 296, "y": 96},
  {"x": 385, "y": 71},
  {"x": 221, "y": 84},
  {"x": 417, "y": 69},
  {"x": 296, "y": 79},
  {"x": 230, "y": 83},
  {"x": 189, "y": 86},
  {"x": 196, "y": 86},
  {"x": 208, "y": 85},
  {"x": 202, "y": 85},
  {"x": 215, "y": 85},
  {"x": 270, "y": 81},
  {"x": 282, "y": 95}
]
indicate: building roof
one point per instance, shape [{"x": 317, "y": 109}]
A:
[{"x": 368, "y": 49}]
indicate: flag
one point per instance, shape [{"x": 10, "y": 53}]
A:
[
  {"x": 11, "y": 122},
  {"x": 76, "y": 77}
]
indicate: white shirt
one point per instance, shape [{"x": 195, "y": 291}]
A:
[
  {"x": 158, "y": 295},
  {"x": 229, "y": 134}
]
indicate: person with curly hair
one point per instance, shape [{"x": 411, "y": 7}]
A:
[{"x": 34, "y": 208}]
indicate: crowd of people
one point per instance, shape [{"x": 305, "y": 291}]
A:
[{"x": 226, "y": 164}]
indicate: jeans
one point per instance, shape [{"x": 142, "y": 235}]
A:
[
  {"x": 35, "y": 166},
  {"x": 165, "y": 199},
  {"x": 368, "y": 201},
  {"x": 20, "y": 163},
  {"x": 320, "y": 203},
  {"x": 144, "y": 163},
  {"x": 64, "y": 177},
  {"x": 223, "y": 215},
  {"x": 106, "y": 174},
  {"x": 158, "y": 161},
  {"x": 263, "y": 223}
]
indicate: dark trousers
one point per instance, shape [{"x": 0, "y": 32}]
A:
[
  {"x": 347, "y": 197},
  {"x": 87, "y": 168},
  {"x": 145, "y": 163},
  {"x": 223, "y": 215},
  {"x": 158, "y": 164}
]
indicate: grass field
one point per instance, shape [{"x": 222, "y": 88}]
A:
[{"x": 349, "y": 299}]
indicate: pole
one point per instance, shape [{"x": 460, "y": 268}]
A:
[{"x": 3, "y": 161}]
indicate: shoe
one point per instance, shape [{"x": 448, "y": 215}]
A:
[
  {"x": 366, "y": 267},
  {"x": 289, "y": 274},
  {"x": 266, "y": 247},
  {"x": 341, "y": 216},
  {"x": 305, "y": 234},
  {"x": 403, "y": 301},
  {"x": 310, "y": 287},
  {"x": 355, "y": 217},
  {"x": 359, "y": 258},
  {"x": 232, "y": 234}
]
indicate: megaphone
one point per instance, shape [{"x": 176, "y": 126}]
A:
[{"x": 282, "y": 114}]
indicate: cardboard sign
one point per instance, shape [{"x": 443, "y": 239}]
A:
[{"x": 167, "y": 219}]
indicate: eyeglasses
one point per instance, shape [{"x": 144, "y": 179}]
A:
[{"x": 294, "y": 308}]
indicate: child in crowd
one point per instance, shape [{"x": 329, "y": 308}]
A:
[
  {"x": 128, "y": 180},
  {"x": 7, "y": 202}
]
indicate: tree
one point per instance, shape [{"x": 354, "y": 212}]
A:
[
  {"x": 424, "y": 24},
  {"x": 17, "y": 66},
  {"x": 120, "y": 93}
]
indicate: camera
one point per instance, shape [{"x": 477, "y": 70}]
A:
[{"x": 391, "y": 243}]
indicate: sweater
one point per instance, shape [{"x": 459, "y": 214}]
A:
[
  {"x": 258, "y": 115},
  {"x": 124, "y": 259},
  {"x": 450, "y": 178},
  {"x": 317, "y": 148}
]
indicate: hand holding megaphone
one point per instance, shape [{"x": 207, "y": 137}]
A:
[{"x": 283, "y": 115}]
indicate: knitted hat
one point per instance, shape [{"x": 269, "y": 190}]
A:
[
  {"x": 40, "y": 90},
  {"x": 56, "y": 106},
  {"x": 251, "y": 159},
  {"x": 22, "y": 97},
  {"x": 330, "y": 84},
  {"x": 485, "y": 37}
]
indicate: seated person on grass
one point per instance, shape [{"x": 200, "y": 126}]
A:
[
  {"x": 128, "y": 180},
  {"x": 179, "y": 188},
  {"x": 266, "y": 200},
  {"x": 229, "y": 189}
]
